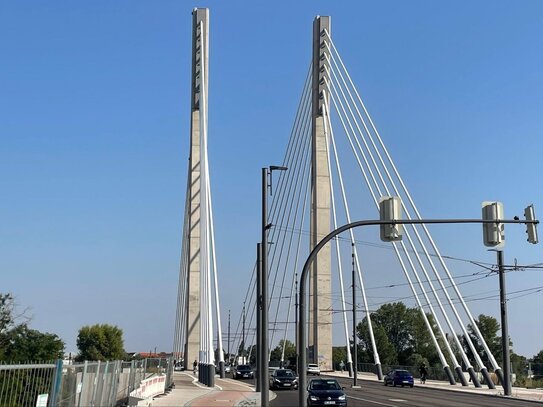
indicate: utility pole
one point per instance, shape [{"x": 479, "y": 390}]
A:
[
  {"x": 505, "y": 330},
  {"x": 243, "y": 335},
  {"x": 229, "y": 362},
  {"x": 355, "y": 345},
  {"x": 258, "y": 314},
  {"x": 296, "y": 314}
]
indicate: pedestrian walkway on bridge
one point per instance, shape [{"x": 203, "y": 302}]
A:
[{"x": 188, "y": 391}]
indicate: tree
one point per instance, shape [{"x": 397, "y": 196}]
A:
[
  {"x": 339, "y": 353},
  {"x": 489, "y": 328},
  {"x": 25, "y": 344},
  {"x": 100, "y": 342},
  {"x": 537, "y": 365},
  {"x": 290, "y": 350},
  {"x": 18, "y": 342},
  {"x": 387, "y": 353},
  {"x": 401, "y": 336}
]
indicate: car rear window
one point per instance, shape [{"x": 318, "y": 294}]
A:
[
  {"x": 325, "y": 385},
  {"x": 403, "y": 373}
]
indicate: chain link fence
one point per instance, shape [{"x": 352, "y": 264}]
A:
[{"x": 56, "y": 384}]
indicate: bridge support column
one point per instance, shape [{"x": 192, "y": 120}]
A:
[
  {"x": 199, "y": 56},
  {"x": 320, "y": 316}
]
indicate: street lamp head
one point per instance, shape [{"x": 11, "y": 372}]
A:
[{"x": 278, "y": 168}]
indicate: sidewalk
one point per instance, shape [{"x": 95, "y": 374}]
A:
[
  {"x": 189, "y": 392},
  {"x": 516, "y": 392}
]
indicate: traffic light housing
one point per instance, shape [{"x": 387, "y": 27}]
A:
[
  {"x": 494, "y": 232},
  {"x": 390, "y": 209},
  {"x": 531, "y": 228}
]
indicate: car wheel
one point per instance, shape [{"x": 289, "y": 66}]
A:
[
  {"x": 394, "y": 384},
  {"x": 411, "y": 386}
]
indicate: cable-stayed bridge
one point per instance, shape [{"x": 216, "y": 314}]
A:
[{"x": 337, "y": 169}]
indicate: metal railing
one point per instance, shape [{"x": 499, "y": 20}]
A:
[{"x": 61, "y": 384}]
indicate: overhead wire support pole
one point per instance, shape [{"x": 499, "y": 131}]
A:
[
  {"x": 506, "y": 382},
  {"x": 302, "y": 318},
  {"x": 258, "y": 312},
  {"x": 355, "y": 342}
]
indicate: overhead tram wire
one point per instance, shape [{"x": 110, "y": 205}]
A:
[{"x": 425, "y": 229}]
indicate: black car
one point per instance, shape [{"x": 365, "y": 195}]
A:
[
  {"x": 243, "y": 372},
  {"x": 283, "y": 379},
  {"x": 325, "y": 392}
]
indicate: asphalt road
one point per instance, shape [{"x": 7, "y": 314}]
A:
[{"x": 375, "y": 394}]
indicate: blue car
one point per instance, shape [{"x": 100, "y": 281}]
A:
[
  {"x": 399, "y": 377},
  {"x": 325, "y": 392}
]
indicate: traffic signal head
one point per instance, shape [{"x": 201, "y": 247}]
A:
[
  {"x": 390, "y": 208},
  {"x": 531, "y": 228},
  {"x": 493, "y": 232}
]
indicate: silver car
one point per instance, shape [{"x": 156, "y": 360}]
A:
[{"x": 314, "y": 369}]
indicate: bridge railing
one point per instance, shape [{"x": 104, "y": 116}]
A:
[
  {"x": 434, "y": 373},
  {"x": 87, "y": 383}
]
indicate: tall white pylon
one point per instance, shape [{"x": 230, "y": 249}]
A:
[{"x": 198, "y": 288}]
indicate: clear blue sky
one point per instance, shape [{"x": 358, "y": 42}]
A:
[{"x": 94, "y": 125}]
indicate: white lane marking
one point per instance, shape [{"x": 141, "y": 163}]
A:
[
  {"x": 371, "y": 401},
  {"x": 398, "y": 400},
  {"x": 198, "y": 384},
  {"x": 239, "y": 384}
]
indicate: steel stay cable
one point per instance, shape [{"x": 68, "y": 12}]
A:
[
  {"x": 451, "y": 305},
  {"x": 299, "y": 169},
  {"x": 338, "y": 256},
  {"x": 427, "y": 233},
  {"x": 296, "y": 259},
  {"x": 289, "y": 196},
  {"x": 351, "y": 234},
  {"x": 303, "y": 171},
  {"x": 299, "y": 115},
  {"x": 402, "y": 264},
  {"x": 181, "y": 294}
]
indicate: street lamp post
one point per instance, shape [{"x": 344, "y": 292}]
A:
[{"x": 263, "y": 366}]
